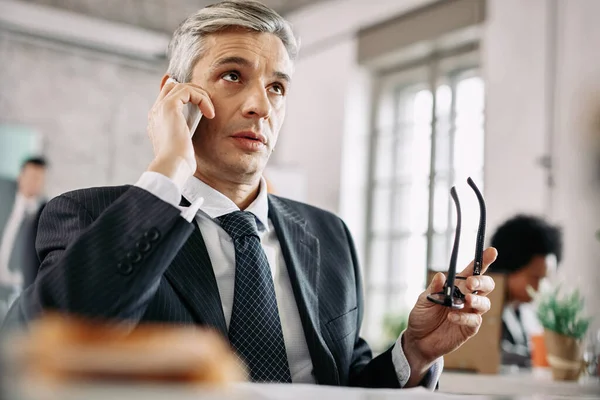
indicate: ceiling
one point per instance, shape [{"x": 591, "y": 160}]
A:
[{"x": 158, "y": 15}]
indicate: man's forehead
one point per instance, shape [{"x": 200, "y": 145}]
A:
[{"x": 249, "y": 49}]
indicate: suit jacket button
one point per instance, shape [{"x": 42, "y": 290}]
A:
[
  {"x": 134, "y": 256},
  {"x": 124, "y": 268},
  {"x": 152, "y": 235},
  {"x": 143, "y": 246}
]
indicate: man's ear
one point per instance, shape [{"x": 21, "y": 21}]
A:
[{"x": 163, "y": 81}]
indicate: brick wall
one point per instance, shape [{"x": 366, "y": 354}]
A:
[{"x": 90, "y": 109}]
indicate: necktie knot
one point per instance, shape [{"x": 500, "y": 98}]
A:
[{"x": 239, "y": 224}]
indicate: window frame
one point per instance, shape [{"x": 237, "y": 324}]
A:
[{"x": 452, "y": 65}]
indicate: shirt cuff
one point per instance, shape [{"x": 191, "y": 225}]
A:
[
  {"x": 166, "y": 190},
  {"x": 403, "y": 368}
]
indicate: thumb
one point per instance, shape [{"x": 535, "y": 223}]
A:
[{"x": 437, "y": 283}]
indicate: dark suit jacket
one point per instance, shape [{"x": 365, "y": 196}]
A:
[
  {"x": 8, "y": 191},
  {"x": 122, "y": 253}
]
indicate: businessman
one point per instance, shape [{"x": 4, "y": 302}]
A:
[{"x": 198, "y": 240}]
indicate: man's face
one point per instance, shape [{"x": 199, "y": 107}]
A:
[
  {"x": 531, "y": 275},
  {"x": 246, "y": 75},
  {"x": 31, "y": 180}
]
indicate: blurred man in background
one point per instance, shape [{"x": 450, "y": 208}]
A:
[
  {"x": 529, "y": 250},
  {"x": 20, "y": 204}
]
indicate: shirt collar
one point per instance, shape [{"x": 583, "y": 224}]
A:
[
  {"x": 29, "y": 204},
  {"x": 216, "y": 204}
]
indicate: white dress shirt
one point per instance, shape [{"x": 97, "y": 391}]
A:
[
  {"x": 207, "y": 205},
  {"x": 23, "y": 207}
]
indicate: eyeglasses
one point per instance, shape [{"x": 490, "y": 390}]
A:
[{"x": 451, "y": 296}]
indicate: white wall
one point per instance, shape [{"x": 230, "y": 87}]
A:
[
  {"x": 514, "y": 68},
  {"x": 576, "y": 204}
]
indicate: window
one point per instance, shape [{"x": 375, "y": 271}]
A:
[{"x": 428, "y": 136}]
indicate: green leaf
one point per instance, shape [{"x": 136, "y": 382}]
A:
[{"x": 562, "y": 314}]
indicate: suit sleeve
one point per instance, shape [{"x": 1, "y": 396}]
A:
[
  {"x": 31, "y": 263},
  {"x": 104, "y": 267}
]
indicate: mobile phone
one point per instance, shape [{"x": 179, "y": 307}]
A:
[{"x": 191, "y": 113}]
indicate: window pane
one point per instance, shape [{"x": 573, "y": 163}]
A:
[
  {"x": 378, "y": 261},
  {"x": 443, "y": 101},
  {"x": 376, "y": 309},
  {"x": 383, "y": 157},
  {"x": 414, "y": 152},
  {"x": 442, "y": 152},
  {"x": 441, "y": 202},
  {"x": 440, "y": 251},
  {"x": 385, "y": 112},
  {"x": 468, "y": 152},
  {"x": 398, "y": 303},
  {"x": 411, "y": 204},
  {"x": 407, "y": 104},
  {"x": 382, "y": 197},
  {"x": 469, "y": 137},
  {"x": 467, "y": 247},
  {"x": 409, "y": 256},
  {"x": 470, "y": 211},
  {"x": 423, "y": 104}
]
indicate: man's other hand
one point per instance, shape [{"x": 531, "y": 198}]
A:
[{"x": 434, "y": 330}]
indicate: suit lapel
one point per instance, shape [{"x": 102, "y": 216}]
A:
[
  {"x": 302, "y": 257},
  {"x": 192, "y": 276}
]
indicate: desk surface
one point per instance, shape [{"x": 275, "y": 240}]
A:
[
  {"x": 528, "y": 383},
  {"x": 453, "y": 386}
]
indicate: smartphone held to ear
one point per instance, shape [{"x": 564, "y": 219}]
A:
[{"x": 191, "y": 113}]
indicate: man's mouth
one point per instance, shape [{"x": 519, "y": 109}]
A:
[
  {"x": 251, "y": 136},
  {"x": 250, "y": 141}
]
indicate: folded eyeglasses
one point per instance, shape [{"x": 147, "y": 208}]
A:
[{"x": 451, "y": 296}]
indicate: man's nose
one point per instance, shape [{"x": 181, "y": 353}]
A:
[{"x": 257, "y": 104}]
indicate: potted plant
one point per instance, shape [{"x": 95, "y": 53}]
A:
[{"x": 564, "y": 329}]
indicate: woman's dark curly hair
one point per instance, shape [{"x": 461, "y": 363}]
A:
[{"x": 521, "y": 238}]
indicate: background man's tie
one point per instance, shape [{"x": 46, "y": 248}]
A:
[{"x": 255, "y": 328}]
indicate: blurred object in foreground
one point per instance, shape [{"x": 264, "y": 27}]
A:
[
  {"x": 538, "y": 351},
  {"x": 62, "y": 349}
]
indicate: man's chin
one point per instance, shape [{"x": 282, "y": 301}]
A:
[{"x": 243, "y": 167}]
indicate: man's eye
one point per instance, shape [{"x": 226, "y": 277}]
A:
[
  {"x": 231, "y": 77},
  {"x": 277, "y": 89}
]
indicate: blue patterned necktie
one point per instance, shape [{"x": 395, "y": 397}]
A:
[{"x": 255, "y": 328}]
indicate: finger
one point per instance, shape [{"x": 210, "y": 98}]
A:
[
  {"x": 470, "y": 320},
  {"x": 483, "y": 284},
  {"x": 166, "y": 89},
  {"x": 489, "y": 256},
  {"x": 437, "y": 284},
  {"x": 479, "y": 304},
  {"x": 186, "y": 93}
]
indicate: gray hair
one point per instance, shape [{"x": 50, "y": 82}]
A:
[{"x": 187, "y": 45}]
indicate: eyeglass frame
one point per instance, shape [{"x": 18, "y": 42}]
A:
[{"x": 451, "y": 296}]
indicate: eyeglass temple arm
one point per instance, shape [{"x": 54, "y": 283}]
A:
[
  {"x": 478, "y": 259},
  {"x": 452, "y": 268}
]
